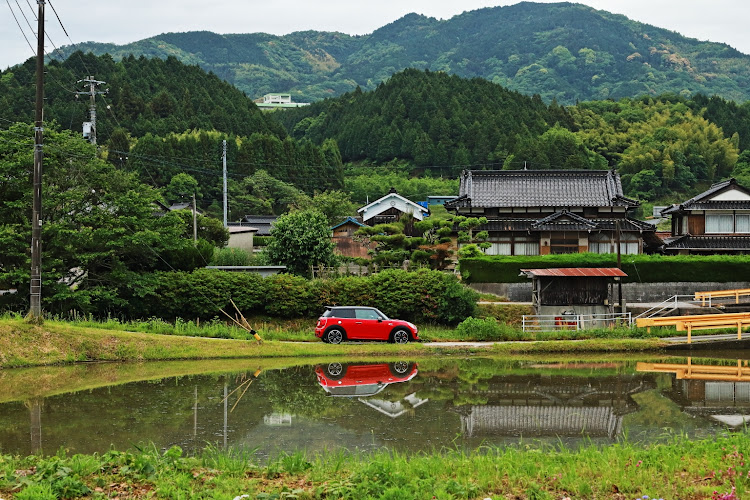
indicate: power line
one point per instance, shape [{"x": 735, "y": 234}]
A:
[{"x": 19, "y": 26}]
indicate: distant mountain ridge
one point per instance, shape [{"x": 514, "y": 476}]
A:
[{"x": 563, "y": 51}]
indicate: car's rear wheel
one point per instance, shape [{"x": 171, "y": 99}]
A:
[
  {"x": 335, "y": 371},
  {"x": 335, "y": 335},
  {"x": 400, "y": 336}
]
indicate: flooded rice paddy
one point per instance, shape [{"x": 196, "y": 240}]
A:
[{"x": 405, "y": 405}]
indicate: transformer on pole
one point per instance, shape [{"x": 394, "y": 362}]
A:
[{"x": 89, "y": 127}]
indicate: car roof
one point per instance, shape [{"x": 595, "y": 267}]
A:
[{"x": 349, "y": 307}]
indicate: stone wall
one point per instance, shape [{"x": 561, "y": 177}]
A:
[{"x": 633, "y": 292}]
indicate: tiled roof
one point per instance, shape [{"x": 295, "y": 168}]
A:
[
  {"x": 262, "y": 222},
  {"x": 558, "y": 217},
  {"x": 703, "y": 201},
  {"x": 564, "y": 224},
  {"x": 715, "y": 243},
  {"x": 540, "y": 188}
]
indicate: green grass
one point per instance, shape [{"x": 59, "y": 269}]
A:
[{"x": 677, "y": 468}]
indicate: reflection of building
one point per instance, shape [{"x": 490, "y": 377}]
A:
[
  {"x": 721, "y": 393},
  {"x": 553, "y": 406},
  {"x": 394, "y": 409},
  {"x": 276, "y": 419}
]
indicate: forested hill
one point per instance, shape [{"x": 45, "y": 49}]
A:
[
  {"x": 661, "y": 146},
  {"x": 427, "y": 118},
  {"x": 565, "y": 51},
  {"x": 145, "y": 96}
]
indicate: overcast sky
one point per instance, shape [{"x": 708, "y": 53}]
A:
[{"x": 119, "y": 21}]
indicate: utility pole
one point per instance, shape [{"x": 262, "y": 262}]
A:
[
  {"x": 619, "y": 266},
  {"x": 35, "y": 298},
  {"x": 195, "y": 222},
  {"x": 89, "y": 127},
  {"x": 224, "y": 161}
]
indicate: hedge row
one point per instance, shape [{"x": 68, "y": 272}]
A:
[
  {"x": 419, "y": 296},
  {"x": 639, "y": 268}
]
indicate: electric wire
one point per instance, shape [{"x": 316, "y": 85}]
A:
[{"x": 19, "y": 27}]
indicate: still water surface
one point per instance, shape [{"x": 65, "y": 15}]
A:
[{"x": 406, "y": 405}]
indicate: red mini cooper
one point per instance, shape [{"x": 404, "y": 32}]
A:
[{"x": 362, "y": 323}]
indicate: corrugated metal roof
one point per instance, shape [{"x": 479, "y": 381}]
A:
[{"x": 605, "y": 272}]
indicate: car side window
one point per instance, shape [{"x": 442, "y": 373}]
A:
[
  {"x": 367, "y": 314},
  {"x": 343, "y": 313}
]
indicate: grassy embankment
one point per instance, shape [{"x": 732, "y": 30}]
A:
[
  {"x": 688, "y": 470},
  {"x": 58, "y": 342}
]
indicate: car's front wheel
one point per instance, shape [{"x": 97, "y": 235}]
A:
[
  {"x": 400, "y": 336},
  {"x": 335, "y": 336}
]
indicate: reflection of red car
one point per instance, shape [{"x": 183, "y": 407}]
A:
[
  {"x": 341, "y": 379},
  {"x": 362, "y": 323}
]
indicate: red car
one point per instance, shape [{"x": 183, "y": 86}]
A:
[
  {"x": 362, "y": 379},
  {"x": 362, "y": 323}
]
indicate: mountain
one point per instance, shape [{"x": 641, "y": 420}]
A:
[{"x": 563, "y": 51}]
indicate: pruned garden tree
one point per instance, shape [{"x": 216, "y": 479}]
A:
[{"x": 301, "y": 239}]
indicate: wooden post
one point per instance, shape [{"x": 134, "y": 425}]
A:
[{"x": 689, "y": 330}]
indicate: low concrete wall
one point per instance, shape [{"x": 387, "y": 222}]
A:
[{"x": 633, "y": 292}]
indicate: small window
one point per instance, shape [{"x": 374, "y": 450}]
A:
[
  {"x": 342, "y": 313},
  {"x": 367, "y": 314},
  {"x": 719, "y": 223},
  {"x": 742, "y": 223}
]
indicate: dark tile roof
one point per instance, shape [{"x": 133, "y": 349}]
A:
[
  {"x": 714, "y": 243},
  {"x": 703, "y": 201},
  {"x": 560, "y": 223},
  {"x": 559, "y": 217},
  {"x": 540, "y": 188},
  {"x": 262, "y": 222}
]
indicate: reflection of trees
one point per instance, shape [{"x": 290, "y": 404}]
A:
[{"x": 296, "y": 391}]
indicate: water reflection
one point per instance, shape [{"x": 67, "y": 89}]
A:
[
  {"x": 719, "y": 392},
  {"x": 404, "y": 405}
]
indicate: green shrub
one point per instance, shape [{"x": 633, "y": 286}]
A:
[
  {"x": 419, "y": 296},
  {"x": 231, "y": 257},
  {"x": 639, "y": 268}
]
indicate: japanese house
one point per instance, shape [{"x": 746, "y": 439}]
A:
[
  {"x": 391, "y": 208},
  {"x": 716, "y": 221},
  {"x": 539, "y": 212}
]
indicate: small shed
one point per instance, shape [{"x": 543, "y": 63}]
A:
[
  {"x": 346, "y": 244},
  {"x": 573, "y": 291}
]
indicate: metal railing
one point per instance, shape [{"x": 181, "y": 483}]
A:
[
  {"x": 667, "y": 305},
  {"x": 553, "y": 322}
]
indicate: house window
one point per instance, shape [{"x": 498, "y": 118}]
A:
[
  {"x": 719, "y": 223},
  {"x": 742, "y": 223},
  {"x": 603, "y": 243},
  {"x": 525, "y": 246},
  {"x": 564, "y": 245},
  {"x": 499, "y": 248},
  {"x": 600, "y": 243}
]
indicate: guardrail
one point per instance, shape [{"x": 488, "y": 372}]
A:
[
  {"x": 553, "y": 322},
  {"x": 699, "y": 322},
  {"x": 721, "y": 294}
]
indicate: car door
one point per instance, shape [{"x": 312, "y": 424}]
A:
[
  {"x": 345, "y": 318},
  {"x": 370, "y": 325}
]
